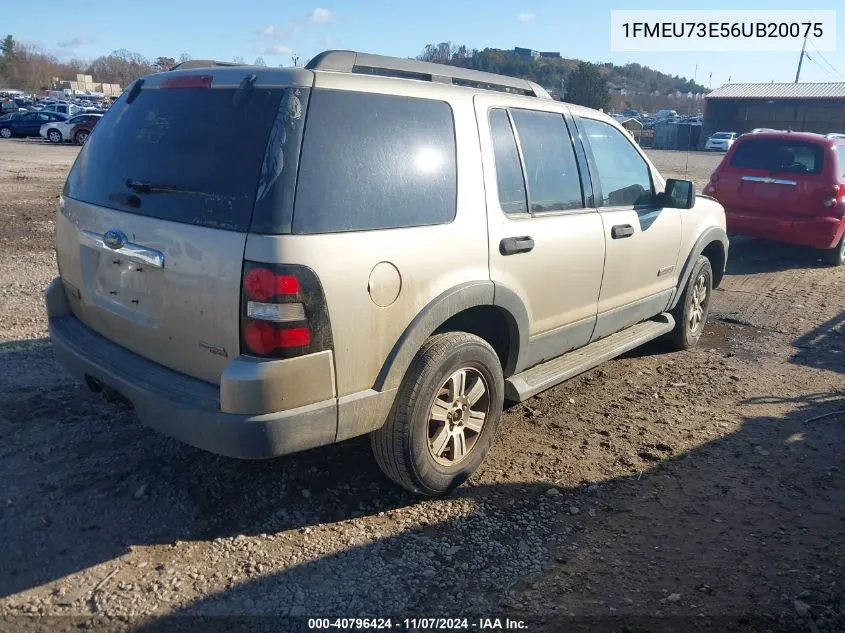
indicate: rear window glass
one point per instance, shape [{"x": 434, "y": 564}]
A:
[
  {"x": 840, "y": 151},
  {"x": 722, "y": 135},
  {"x": 779, "y": 155},
  {"x": 374, "y": 161},
  {"x": 189, "y": 155}
]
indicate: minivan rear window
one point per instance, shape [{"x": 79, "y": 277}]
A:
[
  {"x": 191, "y": 155},
  {"x": 779, "y": 155}
]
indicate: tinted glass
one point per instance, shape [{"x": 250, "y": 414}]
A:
[
  {"x": 508, "y": 168},
  {"x": 722, "y": 135},
  {"x": 624, "y": 176},
  {"x": 188, "y": 155},
  {"x": 550, "y": 167},
  {"x": 373, "y": 161},
  {"x": 779, "y": 155}
]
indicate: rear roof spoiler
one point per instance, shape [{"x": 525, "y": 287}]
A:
[{"x": 203, "y": 63}]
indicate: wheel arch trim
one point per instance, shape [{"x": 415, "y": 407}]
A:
[{"x": 448, "y": 304}]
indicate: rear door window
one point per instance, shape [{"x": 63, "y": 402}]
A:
[
  {"x": 510, "y": 183},
  {"x": 375, "y": 161},
  {"x": 779, "y": 155},
  {"x": 551, "y": 170},
  {"x": 191, "y": 155}
]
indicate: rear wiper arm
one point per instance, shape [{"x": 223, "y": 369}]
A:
[{"x": 144, "y": 187}]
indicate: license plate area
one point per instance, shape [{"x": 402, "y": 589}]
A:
[{"x": 124, "y": 286}]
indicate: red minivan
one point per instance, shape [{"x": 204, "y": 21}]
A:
[{"x": 785, "y": 186}]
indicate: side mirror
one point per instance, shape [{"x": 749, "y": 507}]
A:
[{"x": 679, "y": 194}]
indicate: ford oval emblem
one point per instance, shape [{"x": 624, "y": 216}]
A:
[{"x": 114, "y": 239}]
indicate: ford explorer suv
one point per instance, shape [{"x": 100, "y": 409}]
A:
[
  {"x": 367, "y": 245},
  {"x": 787, "y": 187}
]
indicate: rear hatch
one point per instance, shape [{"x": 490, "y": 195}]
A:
[
  {"x": 774, "y": 176},
  {"x": 154, "y": 216}
]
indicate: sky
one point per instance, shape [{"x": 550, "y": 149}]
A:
[{"x": 276, "y": 30}]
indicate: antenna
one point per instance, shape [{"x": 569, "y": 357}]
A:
[{"x": 801, "y": 57}]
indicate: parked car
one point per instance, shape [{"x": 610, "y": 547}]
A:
[
  {"x": 68, "y": 109},
  {"x": 785, "y": 186},
  {"x": 64, "y": 131},
  {"x": 418, "y": 253},
  {"x": 28, "y": 124},
  {"x": 82, "y": 129},
  {"x": 720, "y": 142}
]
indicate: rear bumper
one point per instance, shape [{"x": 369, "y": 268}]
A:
[
  {"x": 819, "y": 232},
  {"x": 177, "y": 405}
]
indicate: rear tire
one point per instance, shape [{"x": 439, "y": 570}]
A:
[
  {"x": 835, "y": 256},
  {"x": 693, "y": 307},
  {"x": 445, "y": 415},
  {"x": 5, "y": 132},
  {"x": 81, "y": 137}
]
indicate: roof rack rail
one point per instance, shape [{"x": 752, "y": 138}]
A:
[
  {"x": 367, "y": 64},
  {"x": 203, "y": 63}
]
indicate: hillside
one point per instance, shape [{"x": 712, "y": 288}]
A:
[{"x": 632, "y": 85}]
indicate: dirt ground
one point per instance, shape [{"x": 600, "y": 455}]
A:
[{"x": 661, "y": 491}]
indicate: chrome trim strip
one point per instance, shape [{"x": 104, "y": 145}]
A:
[
  {"x": 148, "y": 256},
  {"x": 770, "y": 181}
]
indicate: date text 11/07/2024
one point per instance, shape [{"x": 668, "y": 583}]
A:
[{"x": 417, "y": 624}]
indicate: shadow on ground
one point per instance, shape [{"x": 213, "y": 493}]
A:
[
  {"x": 749, "y": 256},
  {"x": 745, "y": 524},
  {"x": 823, "y": 347}
]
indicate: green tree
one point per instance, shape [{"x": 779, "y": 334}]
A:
[
  {"x": 587, "y": 87},
  {"x": 161, "y": 64}
]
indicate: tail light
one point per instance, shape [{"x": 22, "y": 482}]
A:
[
  {"x": 836, "y": 197},
  {"x": 283, "y": 311},
  {"x": 710, "y": 187}
]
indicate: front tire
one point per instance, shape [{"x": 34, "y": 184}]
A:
[
  {"x": 693, "y": 307},
  {"x": 54, "y": 136},
  {"x": 81, "y": 137},
  {"x": 835, "y": 256},
  {"x": 445, "y": 415},
  {"x": 5, "y": 132}
]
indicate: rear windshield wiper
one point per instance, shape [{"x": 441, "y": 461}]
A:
[{"x": 145, "y": 187}]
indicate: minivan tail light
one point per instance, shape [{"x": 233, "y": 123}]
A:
[
  {"x": 283, "y": 311},
  {"x": 837, "y": 197},
  {"x": 188, "y": 81}
]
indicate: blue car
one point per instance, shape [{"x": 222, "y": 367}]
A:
[{"x": 27, "y": 123}]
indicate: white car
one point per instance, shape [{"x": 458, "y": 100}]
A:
[
  {"x": 720, "y": 142},
  {"x": 60, "y": 131},
  {"x": 63, "y": 108}
]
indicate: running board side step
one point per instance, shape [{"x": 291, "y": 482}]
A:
[{"x": 532, "y": 381}]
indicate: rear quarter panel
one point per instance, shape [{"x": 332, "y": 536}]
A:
[{"x": 430, "y": 260}]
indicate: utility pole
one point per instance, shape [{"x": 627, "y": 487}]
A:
[{"x": 801, "y": 58}]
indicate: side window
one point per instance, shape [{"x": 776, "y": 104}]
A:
[
  {"x": 374, "y": 161},
  {"x": 508, "y": 168},
  {"x": 841, "y": 153},
  {"x": 624, "y": 176},
  {"x": 550, "y": 167}
]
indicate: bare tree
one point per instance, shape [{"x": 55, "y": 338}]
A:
[{"x": 259, "y": 61}]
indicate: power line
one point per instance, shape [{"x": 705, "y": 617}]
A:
[
  {"x": 825, "y": 60},
  {"x": 824, "y": 69}
]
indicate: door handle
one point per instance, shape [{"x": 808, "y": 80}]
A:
[
  {"x": 514, "y": 245},
  {"x": 621, "y": 230}
]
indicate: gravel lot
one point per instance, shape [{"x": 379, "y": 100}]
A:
[{"x": 690, "y": 485}]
